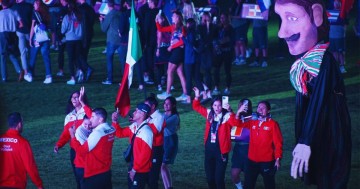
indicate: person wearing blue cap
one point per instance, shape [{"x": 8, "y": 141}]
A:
[{"x": 141, "y": 137}]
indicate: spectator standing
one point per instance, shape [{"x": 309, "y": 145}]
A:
[
  {"x": 76, "y": 110},
  {"x": 54, "y": 11},
  {"x": 88, "y": 21},
  {"x": 171, "y": 141},
  {"x": 337, "y": 36},
  {"x": 190, "y": 60},
  {"x": 72, "y": 28},
  {"x": 16, "y": 156},
  {"x": 217, "y": 139},
  {"x": 97, "y": 151},
  {"x": 140, "y": 9},
  {"x": 265, "y": 146},
  {"x": 25, "y": 10},
  {"x": 188, "y": 10},
  {"x": 149, "y": 12},
  {"x": 162, "y": 55},
  {"x": 241, "y": 26},
  {"x": 207, "y": 31},
  {"x": 224, "y": 52},
  {"x": 139, "y": 132},
  {"x": 8, "y": 24},
  {"x": 157, "y": 124},
  {"x": 177, "y": 55},
  {"x": 40, "y": 15},
  {"x": 61, "y": 38},
  {"x": 110, "y": 25},
  {"x": 260, "y": 41},
  {"x": 239, "y": 157}
]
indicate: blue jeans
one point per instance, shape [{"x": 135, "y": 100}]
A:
[
  {"x": 110, "y": 51},
  {"x": 15, "y": 62},
  {"x": 45, "y": 53}
]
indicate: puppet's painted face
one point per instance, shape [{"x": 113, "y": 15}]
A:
[{"x": 296, "y": 28}]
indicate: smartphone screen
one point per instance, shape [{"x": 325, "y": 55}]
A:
[{"x": 225, "y": 100}]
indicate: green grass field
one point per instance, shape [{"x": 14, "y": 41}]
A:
[{"x": 43, "y": 107}]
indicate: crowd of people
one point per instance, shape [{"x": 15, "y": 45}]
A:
[
  {"x": 153, "y": 143},
  {"x": 194, "y": 43},
  {"x": 322, "y": 121}
]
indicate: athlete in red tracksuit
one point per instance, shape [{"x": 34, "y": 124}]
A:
[
  {"x": 16, "y": 157},
  {"x": 97, "y": 151},
  {"x": 265, "y": 147},
  {"x": 76, "y": 108},
  {"x": 140, "y": 164},
  {"x": 156, "y": 122},
  {"x": 217, "y": 139}
]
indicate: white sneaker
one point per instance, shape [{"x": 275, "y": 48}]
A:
[
  {"x": 159, "y": 88},
  {"x": 241, "y": 62},
  {"x": 236, "y": 61},
  {"x": 248, "y": 52},
  {"x": 226, "y": 91},
  {"x": 48, "y": 80},
  {"x": 28, "y": 78},
  {"x": 215, "y": 92},
  {"x": 163, "y": 95},
  {"x": 264, "y": 64},
  {"x": 146, "y": 78},
  {"x": 183, "y": 97},
  {"x": 71, "y": 82},
  {"x": 342, "y": 69},
  {"x": 208, "y": 94}
]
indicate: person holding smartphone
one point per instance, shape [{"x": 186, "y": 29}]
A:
[
  {"x": 217, "y": 139},
  {"x": 241, "y": 148},
  {"x": 265, "y": 146}
]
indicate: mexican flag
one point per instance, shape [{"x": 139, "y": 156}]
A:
[{"x": 134, "y": 53}]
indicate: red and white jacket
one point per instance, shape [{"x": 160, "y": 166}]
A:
[
  {"x": 17, "y": 160},
  {"x": 142, "y": 147},
  {"x": 176, "y": 39},
  {"x": 224, "y": 128},
  {"x": 81, "y": 135},
  {"x": 97, "y": 150},
  {"x": 266, "y": 140},
  {"x": 73, "y": 118},
  {"x": 157, "y": 124}
]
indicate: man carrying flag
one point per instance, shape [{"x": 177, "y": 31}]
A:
[{"x": 134, "y": 53}]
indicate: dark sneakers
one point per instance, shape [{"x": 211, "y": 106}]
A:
[{"x": 89, "y": 73}]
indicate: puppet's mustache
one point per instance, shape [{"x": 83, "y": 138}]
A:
[{"x": 294, "y": 37}]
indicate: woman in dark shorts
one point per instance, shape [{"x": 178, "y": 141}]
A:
[
  {"x": 162, "y": 53},
  {"x": 177, "y": 55},
  {"x": 241, "y": 147},
  {"x": 172, "y": 120}
]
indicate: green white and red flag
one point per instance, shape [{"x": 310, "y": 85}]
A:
[{"x": 134, "y": 53}]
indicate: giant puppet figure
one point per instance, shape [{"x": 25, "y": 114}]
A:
[{"x": 322, "y": 154}]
